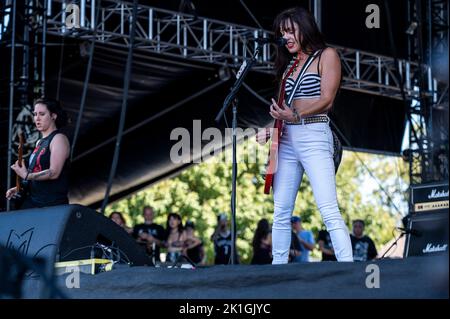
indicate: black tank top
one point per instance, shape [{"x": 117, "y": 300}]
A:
[
  {"x": 195, "y": 253},
  {"x": 50, "y": 192},
  {"x": 261, "y": 255}
]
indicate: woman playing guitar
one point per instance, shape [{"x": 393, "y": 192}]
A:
[
  {"x": 310, "y": 75},
  {"x": 47, "y": 172}
]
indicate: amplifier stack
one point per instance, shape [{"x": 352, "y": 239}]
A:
[{"x": 427, "y": 228}]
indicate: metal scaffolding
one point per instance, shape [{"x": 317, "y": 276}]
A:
[
  {"x": 428, "y": 40},
  {"x": 23, "y": 31},
  {"x": 175, "y": 34}
]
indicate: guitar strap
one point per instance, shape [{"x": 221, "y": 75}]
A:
[{"x": 43, "y": 144}]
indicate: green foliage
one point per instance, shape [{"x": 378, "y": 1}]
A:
[{"x": 201, "y": 192}]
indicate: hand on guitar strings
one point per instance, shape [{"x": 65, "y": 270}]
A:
[
  {"x": 20, "y": 170},
  {"x": 283, "y": 114},
  {"x": 11, "y": 193}
]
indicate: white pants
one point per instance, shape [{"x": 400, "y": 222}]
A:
[{"x": 307, "y": 148}]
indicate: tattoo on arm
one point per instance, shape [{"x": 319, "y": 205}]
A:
[{"x": 45, "y": 174}]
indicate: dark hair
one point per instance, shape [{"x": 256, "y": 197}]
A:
[
  {"x": 54, "y": 107},
  {"x": 221, "y": 216},
  {"x": 262, "y": 230},
  {"x": 359, "y": 221},
  {"x": 147, "y": 207},
  {"x": 190, "y": 224},
  {"x": 312, "y": 41},
  {"x": 120, "y": 215},
  {"x": 180, "y": 226}
]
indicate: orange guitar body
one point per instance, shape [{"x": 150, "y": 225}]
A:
[
  {"x": 276, "y": 135},
  {"x": 273, "y": 155}
]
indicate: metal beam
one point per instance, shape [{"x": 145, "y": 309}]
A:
[
  {"x": 175, "y": 34},
  {"x": 428, "y": 39}
]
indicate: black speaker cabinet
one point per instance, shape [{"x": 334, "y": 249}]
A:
[
  {"x": 429, "y": 197},
  {"x": 65, "y": 233},
  {"x": 427, "y": 234}
]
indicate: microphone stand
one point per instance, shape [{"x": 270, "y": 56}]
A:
[
  {"x": 245, "y": 68},
  {"x": 393, "y": 244}
]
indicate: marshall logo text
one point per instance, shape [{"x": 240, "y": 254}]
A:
[
  {"x": 437, "y": 194},
  {"x": 434, "y": 248}
]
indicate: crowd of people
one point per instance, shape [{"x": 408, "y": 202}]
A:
[
  {"x": 303, "y": 243},
  {"x": 179, "y": 242}
]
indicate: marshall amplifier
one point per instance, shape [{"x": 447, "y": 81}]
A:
[
  {"x": 429, "y": 197},
  {"x": 427, "y": 227},
  {"x": 427, "y": 234}
]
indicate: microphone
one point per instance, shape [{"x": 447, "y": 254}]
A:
[
  {"x": 413, "y": 232},
  {"x": 278, "y": 41}
]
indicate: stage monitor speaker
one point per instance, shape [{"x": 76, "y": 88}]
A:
[
  {"x": 66, "y": 233},
  {"x": 427, "y": 234}
]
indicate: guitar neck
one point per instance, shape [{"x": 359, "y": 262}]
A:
[{"x": 19, "y": 159}]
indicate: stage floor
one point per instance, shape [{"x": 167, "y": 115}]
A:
[{"x": 416, "y": 277}]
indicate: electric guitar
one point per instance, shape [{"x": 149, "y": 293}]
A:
[
  {"x": 20, "y": 196},
  {"x": 19, "y": 159},
  {"x": 276, "y": 135},
  {"x": 278, "y": 125}
]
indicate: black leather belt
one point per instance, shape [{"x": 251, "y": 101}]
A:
[{"x": 311, "y": 120}]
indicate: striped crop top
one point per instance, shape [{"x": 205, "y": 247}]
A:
[{"x": 309, "y": 86}]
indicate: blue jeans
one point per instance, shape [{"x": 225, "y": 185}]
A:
[{"x": 307, "y": 148}]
